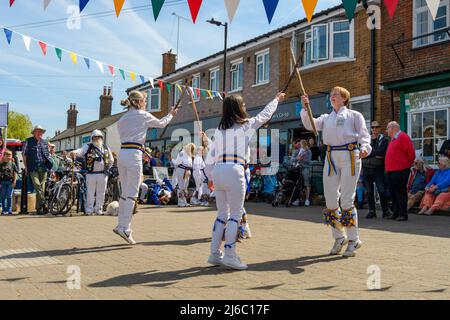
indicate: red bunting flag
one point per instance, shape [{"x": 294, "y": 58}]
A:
[
  {"x": 391, "y": 5},
  {"x": 11, "y": 2},
  {"x": 111, "y": 69},
  {"x": 43, "y": 46},
  {"x": 160, "y": 85},
  {"x": 118, "y": 4},
  {"x": 197, "y": 91},
  {"x": 194, "y": 7}
]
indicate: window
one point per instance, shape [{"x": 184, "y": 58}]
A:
[
  {"x": 363, "y": 106},
  {"x": 176, "y": 93},
  {"x": 262, "y": 67},
  {"x": 428, "y": 132},
  {"x": 237, "y": 75},
  {"x": 214, "y": 79},
  {"x": 424, "y": 24},
  {"x": 154, "y": 100},
  {"x": 341, "y": 39},
  {"x": 326, "y": 42},
  {"x": 196, "y": 85}
]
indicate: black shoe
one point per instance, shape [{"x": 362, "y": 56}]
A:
[
  {"x": 371, "y": 215},
  {"x": 392, "y": 217},
  {"x": 387, "y": 214},
  {"x": 44, "y": 209},
  {"x": 402, "y": 218}
]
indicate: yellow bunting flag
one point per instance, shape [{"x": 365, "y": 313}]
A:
[
  {"x": 74, "y": 57},
  {"x": 132, "y": 76},
  {"x": 118, "y": 4},
  {"x": 179, "y": 87},
  {"x": 209, "y": 94},
  {"x": 310, "y": 6}
]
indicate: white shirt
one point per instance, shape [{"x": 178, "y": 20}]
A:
[
  {"x": 199, "y": 163},
  {"x": 133, "y": 125},
  {"x": 98, "y": 165},
  {"x": 236, "y": 140},
  {"x": 345, "y": 126},
  {"x": 183, "y": 159}
]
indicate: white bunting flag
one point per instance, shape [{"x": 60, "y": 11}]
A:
[
  {"x": 46, "y": 3},
  {"x": 100, "y": 66},
  {"x": 231, "y": 6},
  {"x": 27, "y": 42},
  {"x": 433, "y": 5},
  {"x": 151, "y": 82}
]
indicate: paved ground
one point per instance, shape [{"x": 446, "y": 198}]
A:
[{"x": 287, "y": 258}]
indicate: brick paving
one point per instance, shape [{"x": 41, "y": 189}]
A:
[{"x": 287, "y": 257}]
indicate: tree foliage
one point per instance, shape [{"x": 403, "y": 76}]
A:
[{"x": 19, "y": 125}]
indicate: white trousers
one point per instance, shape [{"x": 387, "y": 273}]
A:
[
  {"x": 229, "y": 189},
  {"x": 143, "y": 191},
  {"x": 130, "y": 174},
  {"x": 200, "y": 186},
  {"x": 183, "y": 183},
  {"x": 96, "y": 188},
  {"x": 341, "y": 187}
]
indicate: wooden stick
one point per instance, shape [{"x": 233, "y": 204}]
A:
[
  {"x": 194, "y": 107},
  {"x": 177, "y": 105},
  {"x": 303, "y": 92}
]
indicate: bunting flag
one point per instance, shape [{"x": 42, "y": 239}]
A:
[
  {"x": 74, "y": 57},
  {"x": 152, "y": 83},
  {"x": 350, "y": 7},
  {"x": 391, "y": 5},
  {"x": 132, "y": 76},
  {"x": 27, "y": 42},
  {"x": 8, "y": 34},
  {"x": 433, "y": 6},
  {"x": 270, "y": 6},
  {"x": 194, "y": 7},
  {"x": 83, "y": 4},
  {"x": 160, "y": 85},
  {"x": 156, "y": 6},
  {"x": 231, "y": 6},
  {"x": 142, "y": 79},
  {"x": 197, "y": 92},
  {"x": 168, "y": 87},
  {"x": 88, "y": 62},
  {"x": 309, "y": 6},
  {"x": 58, "y": 53},
  {"x": 122, "y": 73},
  {"x": 118, "y": 4},
  {"x": 100, "y": 66},
  {"x": 43, "y": 46},
  {"x": 203, "y": 93},
  {"x": 11, "y": 2},
  {"x": 179, "y": 87},
  {"x": 210, "y": 93},
  {"x": 46, "y": 3},
  {"x": 111, "y": 69}
]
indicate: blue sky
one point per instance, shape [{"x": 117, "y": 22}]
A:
[{"x": 43, "y": 87}]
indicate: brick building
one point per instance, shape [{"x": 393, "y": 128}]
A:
[
  {"x": 336, "y": 52},
  {"x": 416, "y": 74}
]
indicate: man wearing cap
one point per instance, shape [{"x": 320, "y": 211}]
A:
[
  {"x": 36, "y": 158},
  {"x": 98, "y": 159},
  {"x": 373, "y": 171},
  {"x": 56, "y": 161}
]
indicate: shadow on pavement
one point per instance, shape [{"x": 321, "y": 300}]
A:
[
  {"x": 293, "y": 266},
  {"x": 435, "y": 226},
  {"x": 187, "y": 242}
]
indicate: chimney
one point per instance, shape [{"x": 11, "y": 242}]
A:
[
  {"x": 169, "y": 61},
  {"x": 72, "y": 116},
  {"x": 105, "y": 103}
]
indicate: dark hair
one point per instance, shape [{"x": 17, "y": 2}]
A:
[{"x": 233, "y": 111}]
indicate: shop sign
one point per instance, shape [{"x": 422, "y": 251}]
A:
[{"x": 427, "y": 99}]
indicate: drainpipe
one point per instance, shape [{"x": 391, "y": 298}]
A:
[{"x": 373, "y": 73}]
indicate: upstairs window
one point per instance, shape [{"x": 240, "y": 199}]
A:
[
  {"x": 237, "y": 75},
  {"x": 196, "y": 85},
  {"x": 214, "y": 76},
  {"x": 263, "y": 67},
  {"x": 423, "y": 23},
  {"x": 154, "y": 100}
]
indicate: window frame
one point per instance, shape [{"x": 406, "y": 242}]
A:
[
  {"x": 262, "y": 53},
  {"x": 197, "y": 75},
  {"x": 216, "y": 71},
  {"x": 430, "y": 39},
  {"x": 149, "y": 99},
  {"x": 240, "y": 80},
  {"x": 327, "y": 41},
  {"x": 351, "y": 42},
  {"x": 176, "y": 93}
]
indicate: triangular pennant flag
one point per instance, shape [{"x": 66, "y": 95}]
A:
[
  {"x": 118, "y": 4},
  {"x": 203, "y": 93},
  {"x": 74, "y": 57},
  {"x": 58, "y": 53},
  {"x": 209, "y": 93},
  {"x": 191, "y": 90},
  {"x": 197, "y": 92},
  {"x": 46, "y": 3},
  {"x": 43, "y": 46},
  {"x": 122, "y": 73},
  {"x": 391, "y": 5},
  {"x": 168, "y": 87},
  {"x": 179, "y": 87},
  {"x": 156, "y": 6},
  {"x": 220, "y": 96},
  {"x": 133, "y": 76},
  {"x": 160, "y": 85},
  {"x": 310, "y": 6},
  {"x": 111, "y": 69},
  {"x": 27, "y": 42},
  {"x": 8, "y": 34},
  {"x": 11, "y": 2},
  {"x": 142, "y": 79},
  {"x": 152, "y": 83},
  {"x": 83, "y": 4},
  {"x": 350, "y": 7},
  {"x": 231, "y": 6},
  {"x": 88, "y": 63},
  {"x": 194, "y": 7},
  {"x": 100, "y": 66},
  {"x": 270, "y": 6},
  {"x": 433, "y": 5}
]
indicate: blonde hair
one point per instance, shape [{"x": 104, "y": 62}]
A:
[
  {"x": 190, "y": 149},
  {"x": 304, "y": 144},
  {"x": 445, "y": 162},
  {"x": 345, "y": 94},
  {"x": 132, "y": 101}
]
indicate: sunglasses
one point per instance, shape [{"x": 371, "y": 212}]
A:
[{"x": 375, "y": 127}]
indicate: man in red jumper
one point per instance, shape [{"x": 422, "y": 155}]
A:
[{"x": 400, "y": 157}]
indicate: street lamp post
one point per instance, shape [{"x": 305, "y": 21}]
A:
[{"x": 225, "y": 25}]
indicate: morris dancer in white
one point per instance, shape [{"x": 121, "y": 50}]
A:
[
  {"x": 133, "y": 128},
  {"x": 225, "y": 165},
  {"x": 98, "y": 159},
  {"x": 201, "y": 181},
  {"x": 183, "y": 172},
  {"x": 348, "y": 141}
]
